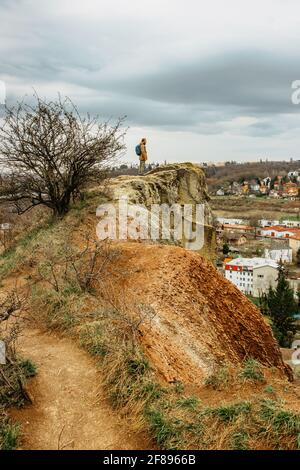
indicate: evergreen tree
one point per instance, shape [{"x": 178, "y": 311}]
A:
[
  {"x": 281, "y": 307},
  {"x": 226, "y": 248}
]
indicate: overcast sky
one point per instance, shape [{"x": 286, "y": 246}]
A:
[{"x": 203, "y": 80}]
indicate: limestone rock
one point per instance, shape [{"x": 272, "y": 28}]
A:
[{"x": 179, "y": 183}]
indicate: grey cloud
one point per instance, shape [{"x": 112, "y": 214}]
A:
[
  {"x": 200, "y": 95},
  {"x": 255, "y": 81}
]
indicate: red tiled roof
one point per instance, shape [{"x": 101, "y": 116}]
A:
[
  {"x": 279, "y": 228},
  {"x": 237, "y": 226}
]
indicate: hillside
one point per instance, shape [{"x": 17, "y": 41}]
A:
[
  {"x": 218, "y": 176},
  {"x": 179, "y": 352}
]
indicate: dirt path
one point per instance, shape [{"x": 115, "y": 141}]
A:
[{"x": 68, "y": 410}]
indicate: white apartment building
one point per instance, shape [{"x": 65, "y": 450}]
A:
[{"x": 252, "y": 276}]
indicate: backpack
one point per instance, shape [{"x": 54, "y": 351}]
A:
[{"x": 138, "y": 150}]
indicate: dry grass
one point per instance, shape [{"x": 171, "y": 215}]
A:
[
  {"x": 256, "y": 208},
  {"x": 13, "y": 377}
]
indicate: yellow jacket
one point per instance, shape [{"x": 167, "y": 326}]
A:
[{"x": 143, "y": 155}]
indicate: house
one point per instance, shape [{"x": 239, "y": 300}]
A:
[
  {"x": 268, "y": 223},
  {"x": 236, "y": 188},
  {"x": 237, "y": 228},
  {"x": 290, "y": 190},
  {"x": 278, "y": 231},
  {"x": 291, "y": 223},
  {"x": 266, "y": 182},
  {"x": 254, "y": 186},
  {"x": 278, "y": 183},
  {"x": 245, "y": 188},
  {"x": 263, "y": 189},
  {"x": 234, "y": 238},
  {"x": 220, "y": 192},
  {"x": 284, "y": 255},
  {"x": 275, "y": 194},
  {"x": 252, "y": 276},
  {"x": 227, "y": 221}
]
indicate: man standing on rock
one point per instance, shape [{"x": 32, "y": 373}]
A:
[{"x": 142, "y": 153}]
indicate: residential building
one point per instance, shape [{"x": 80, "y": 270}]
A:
[
  {"x": 252, "y": 276},
  {"x": 294, "y": 243},
  {"x": 268, "y": 223},
  {"x": 278, "y": 231},
  {"x": 266, "y": 182},
  {"x": 293, "y": 174},
  {"x": 245, "y": 187},
  {"x": 236, "y": 188},
  {"x": 234, "y": 238},
  {"x": 278, "y": 183},
  {"x": 237, "y": 228},
  {"x": 274, "y": 194},
  {"x": 284, "y": 255},
  {"x": 264, "y": 189},
  {"x": 226, "y": 221},
  {"x": 290, "y": 190},
  {"x": 254, "y": 186},
  {"x": 291, "y": 223}
]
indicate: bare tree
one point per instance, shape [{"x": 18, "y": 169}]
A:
[
  {"x": 87, "y": 267},
  {"x": 49, "y": 152}
]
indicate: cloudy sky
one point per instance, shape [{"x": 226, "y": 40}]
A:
[{"x": 203, "y": 80}]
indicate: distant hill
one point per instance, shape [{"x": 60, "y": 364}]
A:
[{"x": 217, "y": 176}]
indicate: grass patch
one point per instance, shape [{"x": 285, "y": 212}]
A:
[
  {"x": 94, "y": 340},
  {"x": 57, "y": 310},
  {"x": 252, "y": 371},
  {"x": 239, "y": 440},
  {"x": 269, "y": 389},
  {"x": 9, "y": 433},
  {"x": 21, "y": 253},
  {"x": 28, "y": 367},
  {"x": 13, "y": 377},
  {"x": 188, "y": 402},
  {"x": 228, "y": 413},
  {"x": 167, "y": 433},
  {"x": 218, "y": 379}
]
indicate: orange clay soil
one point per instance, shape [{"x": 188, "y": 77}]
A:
[
  {"x": 201, "y": 320},
  {"x": 69, "y": 409}
]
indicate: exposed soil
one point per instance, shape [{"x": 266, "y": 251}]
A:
[
  {"x": 69, "y": 409},
  {"x": 201, "y": 320}
]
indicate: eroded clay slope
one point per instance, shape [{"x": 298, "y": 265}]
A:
[{"x": 201, "y": 320}]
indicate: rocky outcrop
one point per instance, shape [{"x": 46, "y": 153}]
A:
[
  {"x": 180, "y": 183},
  {"x": 201, "y": 321}
]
